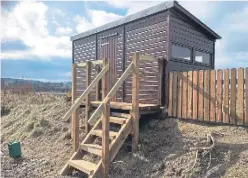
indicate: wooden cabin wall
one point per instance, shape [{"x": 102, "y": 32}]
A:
[
  {"x": 149, "y": 37},
  {"x": 84, "y": 50}
]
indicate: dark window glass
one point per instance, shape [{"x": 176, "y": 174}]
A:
[
  {"x": 203, "y": 57},
  {"x": 181, "y": 52}
]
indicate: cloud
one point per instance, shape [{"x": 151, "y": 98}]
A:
[
  {"x": 95, "y": 18},
  {"x": 63, "y": 30},
  {"x": 239, "y": 20},
  {"x": 28, "y": 22}
]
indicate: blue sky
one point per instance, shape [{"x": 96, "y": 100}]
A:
[{"x": 35, "y": 36}]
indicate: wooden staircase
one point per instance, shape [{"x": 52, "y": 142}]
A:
[
  {"x": 102, "y": 120},
  {"x": 116, "y": 140}
]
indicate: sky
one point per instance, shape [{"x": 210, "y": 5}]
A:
[{"x": 35, "y": 35}]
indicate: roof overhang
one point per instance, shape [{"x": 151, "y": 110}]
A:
[{"x": 152, "y": 10}]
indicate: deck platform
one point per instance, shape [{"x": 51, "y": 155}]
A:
[{"x": 144, "y": 108}]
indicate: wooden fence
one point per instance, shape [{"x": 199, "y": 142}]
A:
[{"x": 210, "y": 95}]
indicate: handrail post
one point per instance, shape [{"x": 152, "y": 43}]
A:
[
  {"x": 75, "y": 114},
  {"x": 97, "y": 69},
  {"x": 87, "y": 103},
  {"x": 135, "y": 102},
  {"x": 105, "y": 124}
]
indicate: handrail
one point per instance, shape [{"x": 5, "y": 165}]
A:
[
  {"x": 98, "y": 111},
  {"x": 94, "y": 63},
  {"x": 85, "y": 93}
]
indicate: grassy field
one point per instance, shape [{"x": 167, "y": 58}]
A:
[{"x": 36, "y": 121}]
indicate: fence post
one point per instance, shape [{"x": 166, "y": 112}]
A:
[
  {"x": 74, "y": 118},
  {"x": 105, "y": 124},
  {"x": 135, "y": 102},
  {"x": 87, "y": 103}
]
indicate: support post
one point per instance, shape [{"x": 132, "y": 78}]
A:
[
  {"x": 74, "y": 118},
  {"x": 105, "y": 125},
  {"x": 97, "y": 69},
  {"x": 135, "y": 102},
  {"x": 87, "y": 103}
]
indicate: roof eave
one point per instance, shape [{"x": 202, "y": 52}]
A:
[{"x": 181, "y": 9}]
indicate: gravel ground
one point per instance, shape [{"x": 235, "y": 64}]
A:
[{"x": 36, "y": 121}]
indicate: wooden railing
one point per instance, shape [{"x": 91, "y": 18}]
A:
[
  {"x": 103, "y": 110},
  {"x": 210, "y": 96}
]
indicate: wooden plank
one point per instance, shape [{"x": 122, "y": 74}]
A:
[
  {"x": 148, "y": 58},
  {"x": 174, "y": 95},
  {"x": 105, "y": 124},
  {"x": 233, "y": 97},
  {"x": 246, "y": 96},
  {"x": 170, "y": 106},
  {"x": 190, "y": 95},
  {"x": 97, "y": 85},
  {"x": 201, "y": 92},
  {"x": 195, "y": 94},
  {"x": 75, "y": 113},
  {"x": 240, "y": 101},
  {"x": 226, "y": 97},
  {"x": 94, "y": 62},
  {"x": 98, "y": 111},
  {"x": 206, "y": 94},
  {"x": 85, "y": 93},
  {"x": 87, "y": 100},
  {"x": 213, "y": 92},
  {"x": 179, "y": 103},
  {"x": 219, "y": 92},
  {"x": 135, "y": 102},
  {"x": 185, "y": 86}
]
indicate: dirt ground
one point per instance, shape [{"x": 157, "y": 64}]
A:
[{"x": 36, "y": 121}]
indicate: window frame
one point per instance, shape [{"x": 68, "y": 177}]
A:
[
  {"x": 203, "y": 51},
  {"x": 182, "y": 59}
]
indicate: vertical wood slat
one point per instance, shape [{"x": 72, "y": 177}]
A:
[
  {"x": 195, "y": 94},
  {"x": 75, "y": 118},
  {"x": 206, "y": 95},
  {"x": 179, "y": 103},
  {"x": 184, "y": 95},
  {"x": 212, "y": 98},
  {"x": 226, "y": 97},
  {"x": 105, "y": 124},
  {"x": 200, "y": 106},
  {"x": 233, "y": 97},
  {"x": 219, "y": 96},
  {"x": 174, "y": 94},
  {"x": 97, "y": 70},
  {"x": 240, "y": 101},
  {"x": 170, "y": 106},
  {"x": 246, "y": 96},
  {"x": 87, "y": 103},
  {"x": 135, "y": 102},
  {"x": 190, "y": 93}
]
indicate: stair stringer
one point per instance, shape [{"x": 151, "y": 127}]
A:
[{"x": 115, "y": 146}]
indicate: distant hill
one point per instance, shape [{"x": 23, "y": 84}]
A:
[{"x": 38, "y": 86}]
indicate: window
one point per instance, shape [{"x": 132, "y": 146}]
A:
[
  {"x": 203, "y": 57},
  {"x": 181, "y": 52}
]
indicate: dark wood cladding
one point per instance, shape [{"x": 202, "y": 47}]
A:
[
  {"x": 148, "y": 36},
  {"x": 84, "y": 50}
]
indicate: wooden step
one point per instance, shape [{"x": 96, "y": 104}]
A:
[
  {"x": 92, "y": 148},
  {"x": 112, "y": 135},
  {"x": 117, "y": 114},
  {"x": 117, "y": 120},
  {"x": 84, "y": 166}
]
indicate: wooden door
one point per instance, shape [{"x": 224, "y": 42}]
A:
[{"x": 109, "y": 51}]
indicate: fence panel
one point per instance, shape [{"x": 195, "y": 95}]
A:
[{"x": 210, "y": 96}]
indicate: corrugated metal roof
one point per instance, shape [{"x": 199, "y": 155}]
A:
[{"x": 155, "y": 9}]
